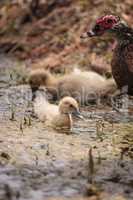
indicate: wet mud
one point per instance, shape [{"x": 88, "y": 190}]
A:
[{"x": 93, "y": 161}]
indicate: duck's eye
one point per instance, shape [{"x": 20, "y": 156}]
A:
[
  {"x": 109, "y": 21},
  {"x": 97, "y": 27},
  {"x": 71, "y": 106}
]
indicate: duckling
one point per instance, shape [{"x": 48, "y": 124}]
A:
[
  {"x": 58, "y": 116},
  {"x": 86, "y": 87},
  {"x": 40, "y": 77}
]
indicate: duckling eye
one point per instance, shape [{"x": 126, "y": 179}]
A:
[{"x": 71, "y": 106}]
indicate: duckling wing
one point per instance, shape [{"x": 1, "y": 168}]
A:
[{"x": 44, "y": 110}]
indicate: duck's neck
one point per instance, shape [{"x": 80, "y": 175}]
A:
[
  {"x": 51, "y": 81},
  {"x": 123, "y": 33},
  {"x": 67, "y": 120}
]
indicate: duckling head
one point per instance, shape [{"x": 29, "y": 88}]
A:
[
  {"x": 37, "y": 78},
  {"x": 69, "y": 105}
]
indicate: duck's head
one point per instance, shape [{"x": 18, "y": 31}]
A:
[
  {"x": 107, "y": 23},
  {"x": 39, "y": 77},
  {"x": 69, "y": 105}
]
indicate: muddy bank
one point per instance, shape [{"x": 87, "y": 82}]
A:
[{"x": 36, "y": 162}]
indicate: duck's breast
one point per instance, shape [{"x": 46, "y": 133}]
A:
[
  {"x": 122, "y": 65},
  {"x": 44, "y": 110}
]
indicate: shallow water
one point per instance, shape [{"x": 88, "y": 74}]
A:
[{"x": 38, "y": 163}]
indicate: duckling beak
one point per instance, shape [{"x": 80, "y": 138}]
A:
[{"x": 78, "y": 114}]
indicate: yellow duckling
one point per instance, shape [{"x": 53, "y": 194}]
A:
[{"x": 58, "y": 116}]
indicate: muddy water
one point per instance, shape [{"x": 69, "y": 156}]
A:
[{"x": 38, "y": 163}]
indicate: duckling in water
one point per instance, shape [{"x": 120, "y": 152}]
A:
[
  {"x": 85, "y": 87},
  {"x": 57, "y": 116}
]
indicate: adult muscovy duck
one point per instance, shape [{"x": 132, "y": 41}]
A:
[{"x": 122, "y": 61}]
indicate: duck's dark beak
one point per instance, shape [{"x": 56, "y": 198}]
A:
[
  {"x": 78, "y": 114},
  {"x": 87, "y": 34}
]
